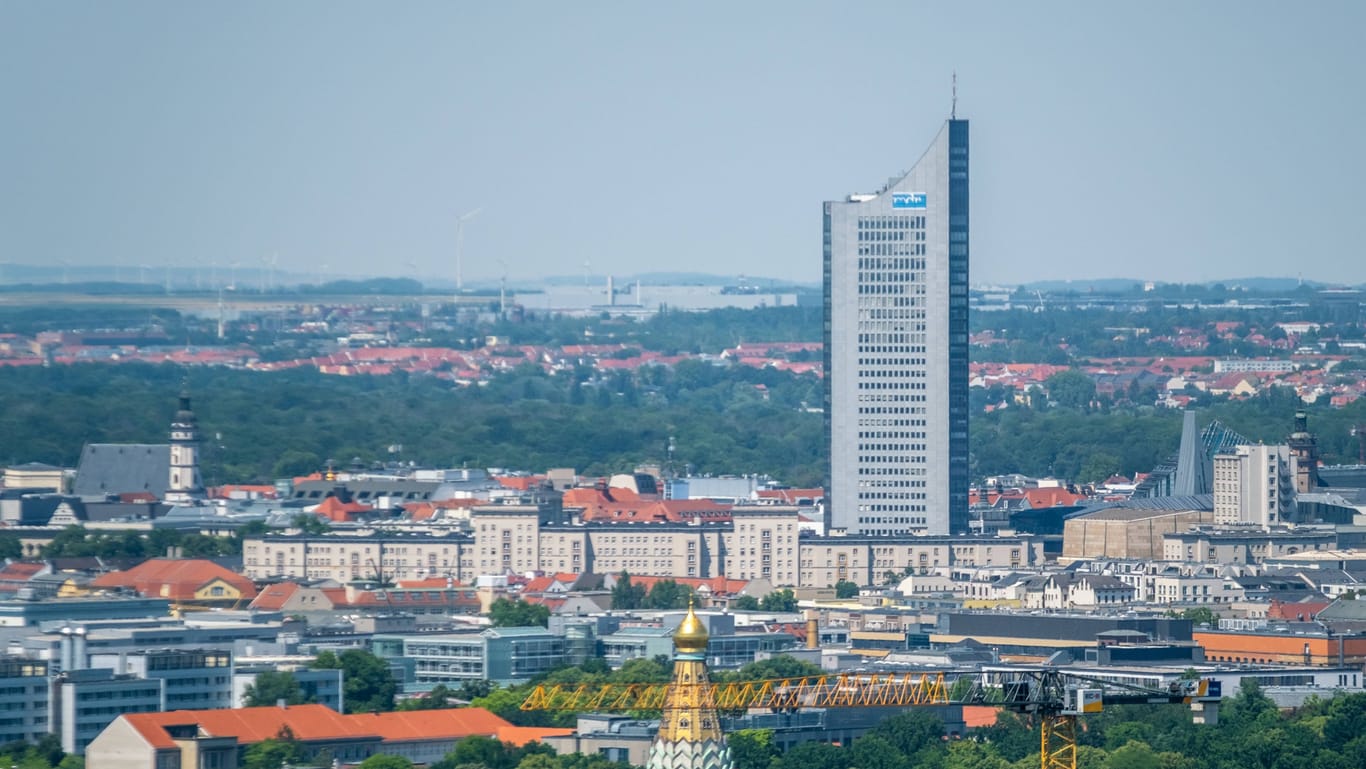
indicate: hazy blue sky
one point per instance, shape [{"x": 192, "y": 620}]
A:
[{"x": 1163, "y": 140}]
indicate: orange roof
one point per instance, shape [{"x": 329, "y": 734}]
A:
[
  {"x": 538, "y": 584},
  {"x": 336, "y": 510},
  {"x": 248, "y": 725},
  {"x": 21, "y": 570},
  {"x": 716, "y": 585},
  {"x": 519, "y": 482},
  {"x": 410, "y": 725},
  {"x": 318, "y": 723},
  {"x": 975, "y": 716},
  {"x": 1052, "y": 496},
  {"x": 521, "y": 735},
  {"x": 274, "y": 597},
  {"x": 176, "y": 579}
]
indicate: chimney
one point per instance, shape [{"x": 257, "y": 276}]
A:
[
  {"x": 79, "y": 658},
  {"x": 67, "y": 648},
  {"x": 813, "y": 630}
]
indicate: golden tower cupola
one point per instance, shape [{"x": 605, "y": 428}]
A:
[{"x": 691, "y": 636}]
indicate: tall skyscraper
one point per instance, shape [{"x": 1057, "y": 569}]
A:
[{"x": 896, "y": 348}]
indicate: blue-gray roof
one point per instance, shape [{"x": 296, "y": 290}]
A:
[{"x": 121, "y": 468}]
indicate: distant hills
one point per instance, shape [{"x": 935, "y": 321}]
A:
[
  {"x": 150, "y": 278},
  {"x": 1121, "y": 285}
]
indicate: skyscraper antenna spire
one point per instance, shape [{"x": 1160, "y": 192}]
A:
[{"x": 953, "y": 107}]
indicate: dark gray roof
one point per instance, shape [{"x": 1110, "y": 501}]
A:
[
  {"x": 1343, "y": 476},
  {"x": 121, "y": 468},
  {"x": 1350, "y": 610},
  {"x": 1170, "y": 504}
]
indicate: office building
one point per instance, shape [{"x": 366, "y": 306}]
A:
[
  {"x": 1255, "y": 484},
  {"x": 896, "y": 348}
]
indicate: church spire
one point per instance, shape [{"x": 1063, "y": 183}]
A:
[
  {"x": 184, "y": 484},
  {"x": 690, "y": 732}
]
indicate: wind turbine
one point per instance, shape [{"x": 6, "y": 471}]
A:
[
  {"x": 270, "y": 262},
  {"x": 460, "y": 248},
  {"x": 503, "y": 291},
  {"x": 232, "y": 276}
]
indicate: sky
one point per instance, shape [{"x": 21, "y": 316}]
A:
[{"x": 1169, "y": 141}]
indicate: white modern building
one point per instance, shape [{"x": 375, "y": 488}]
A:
[
  {"x": 1254, "y": 484},
  {"x": 896, "y": 347}
]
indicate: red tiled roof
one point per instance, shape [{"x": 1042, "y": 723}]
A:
[
  {"x": 1052, "y": 497},
  {"x": 248, "y": 725},
  {"x": 176, "y": 579},
  {"x": 538, "y": 584},
  {"x": 521, "y": 735},
  {"x": 318, "y": 723},
  {"x": 274, "y": 597},
  {"x": 336, "y": 510},
  {"x": 21, "y": 570}
]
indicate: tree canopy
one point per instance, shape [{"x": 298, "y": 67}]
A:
[{"x": 505, "y": 612}]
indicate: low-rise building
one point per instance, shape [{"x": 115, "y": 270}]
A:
[
  {"x": 190, "y": 739},
  {"x": 507, "y": 655},
  {"x": 1243, "y": 544}
]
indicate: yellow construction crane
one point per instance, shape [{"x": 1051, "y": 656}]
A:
[
  {"x": 834, "y": 691},
  {"x": 1054, "y": 697}
]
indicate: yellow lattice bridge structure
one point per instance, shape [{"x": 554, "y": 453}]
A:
[{"x": 845, "y": 690}]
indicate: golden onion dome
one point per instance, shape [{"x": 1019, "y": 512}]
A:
[{"x": 691, "y": 635}]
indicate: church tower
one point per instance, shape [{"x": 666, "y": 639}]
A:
[
  {"x": 185, "y": 486},
  {"x": 690, "y": 732},
  {"x": 1304, "y": 445}
]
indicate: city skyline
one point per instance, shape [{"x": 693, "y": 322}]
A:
[{"x": 351, "y": 140}]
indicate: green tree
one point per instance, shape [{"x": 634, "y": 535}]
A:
[
  {"x": 386, "y": 761},
  {"x": 752, "y": 748},
  {"x": 1133, "y": 755},
  {"x": 745, "y": 603},
  {"x": 779, "y": 600},
  {"x": 814, "y": 755},
  {"x": 846, "y": 589},
  {"x": 971, "y": 754},
  {"x": 309, "y": 523},
  {"x": 369, "y": 683},
  {"x": 509, "y": 613},
  {"x": 270, "y": 687},
  {"x": 872, "y": 751},
  {"x": 643, "y": 671},
  {"x": 911, "y": 731},
  {"x": 626, "y": 596},
  {"x": 439, "y": 698},
  {"x": 275, "y": 752},
  {"x": 10, "y": 546},
  {"x": 668, "y": 594},
  {"x": 777, "y": 666}
]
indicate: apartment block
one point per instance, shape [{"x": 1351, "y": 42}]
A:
[{"x": 759, "y": 542}]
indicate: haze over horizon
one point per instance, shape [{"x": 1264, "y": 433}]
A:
[{"x": 1158, "y": 141}]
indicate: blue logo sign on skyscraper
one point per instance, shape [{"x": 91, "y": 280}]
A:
[{"x": 908, "y": 200}]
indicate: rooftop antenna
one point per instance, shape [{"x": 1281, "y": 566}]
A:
[{"x": 953, "y": 108}]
